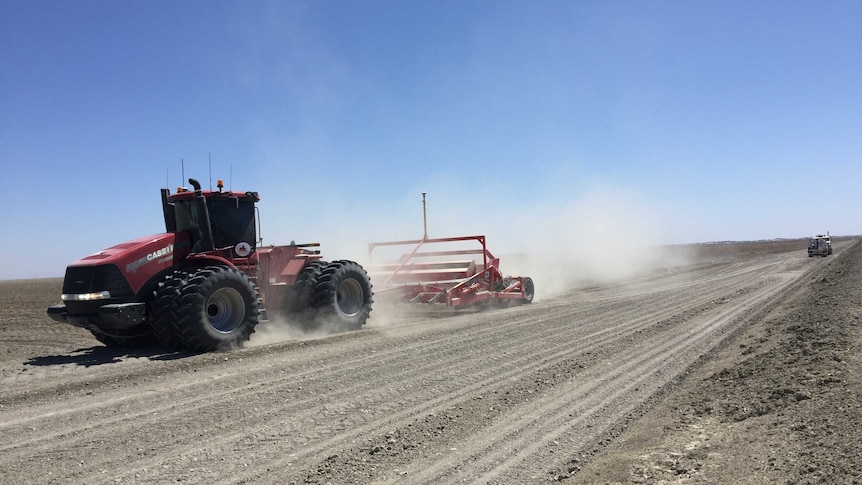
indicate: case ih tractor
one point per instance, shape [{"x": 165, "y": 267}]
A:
[{"x": 204, "y": 283}]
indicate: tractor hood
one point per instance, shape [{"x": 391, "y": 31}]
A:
[{"x": 140, "y": 259}]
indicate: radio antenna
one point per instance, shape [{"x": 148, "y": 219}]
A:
[
  {"x": 183, "y": 164},
  {"x": 424, "y": 218},
  {"x": 209, "y": 155},
  {"x": 231, "y": 177}
]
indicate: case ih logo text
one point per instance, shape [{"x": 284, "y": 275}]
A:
[{"x": 165, "y": 251}]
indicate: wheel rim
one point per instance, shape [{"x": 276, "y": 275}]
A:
[
  {"x": 349, "y": 297},
  {"x": 225, "y": 310}
]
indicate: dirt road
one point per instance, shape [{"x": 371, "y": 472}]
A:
[{"x": 534, "y": 393}]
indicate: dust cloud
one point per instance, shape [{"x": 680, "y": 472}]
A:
[
  {"x": 602, "y": 235},
  {"x": 606, "y": 236},
  {"x": 280, "y": 329},
  {"x": 274, "y": 331}
]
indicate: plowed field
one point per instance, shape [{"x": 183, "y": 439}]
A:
[{"x": 743, "y": 366}]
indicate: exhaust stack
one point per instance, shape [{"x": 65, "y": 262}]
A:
[{"x": 204, "y": 227}]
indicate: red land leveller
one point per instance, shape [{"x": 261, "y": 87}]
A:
[{"x": 454, "y": 277}]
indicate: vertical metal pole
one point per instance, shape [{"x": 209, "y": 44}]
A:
[{"x": 424, "y": 218}]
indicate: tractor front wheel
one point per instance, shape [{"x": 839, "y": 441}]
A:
[
  {"x": 163, "y": 310},
  {"x": 217, "y": 309},
  {"x": 343, "y": 296}
]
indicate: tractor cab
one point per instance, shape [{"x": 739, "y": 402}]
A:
[{"x": 213, "y": 219}]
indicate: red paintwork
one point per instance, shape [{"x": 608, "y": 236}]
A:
[
  {"x": 140, "y": 258},
  {"x": 279, "y": 265}
]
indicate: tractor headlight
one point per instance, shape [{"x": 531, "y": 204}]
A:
[{"x": 99, "y": 295}]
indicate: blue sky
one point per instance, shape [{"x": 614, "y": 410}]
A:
[{"x": 658, "y": 122}]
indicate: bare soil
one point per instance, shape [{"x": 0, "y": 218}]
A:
[{"x": 740, "y": 367}]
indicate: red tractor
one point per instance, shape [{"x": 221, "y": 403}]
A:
[{"x": 204, "y": 283}]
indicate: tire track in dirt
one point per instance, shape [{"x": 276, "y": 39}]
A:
[
  {"x": 480, "y": 344},
  {"x": 485, "y": 386},
  {"x": 182, "y": 406},
  {"x": 182, "y": 382},
  {"x": 69, "y": 378},
  {"x": 506, "y": 447},
  {"x": 354, "y": 477}
]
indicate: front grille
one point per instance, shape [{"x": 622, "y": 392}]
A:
[{"x": 89, "y": 279}]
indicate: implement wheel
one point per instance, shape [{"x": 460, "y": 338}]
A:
[
  {"x": 343, "y": 296},
  {"x": 529, "y": 290},
  {"x": 217, "y": 309}
]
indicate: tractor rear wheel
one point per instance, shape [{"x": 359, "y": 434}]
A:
[
  {"x": 136, "y": 337},
  {"x": 217, "y": 309},
  {"x": 299, "y": 300},
  {"x": 343, "y": 296},
  {"x": 163, "y": 315}
]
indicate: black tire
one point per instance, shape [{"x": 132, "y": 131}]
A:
[
  {"x": 298, "y": 305},
  {"x": 503, "y": 302},
  {"x": 163, "y": 315},
  {"x": 217, "y": 309},
  {"x": 529, "y": 290},
  {"x": 343, "y": 296},
  {"x": 137, "y": 337}
]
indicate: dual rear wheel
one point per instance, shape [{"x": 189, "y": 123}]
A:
[{"x": 333, "y": 297}]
